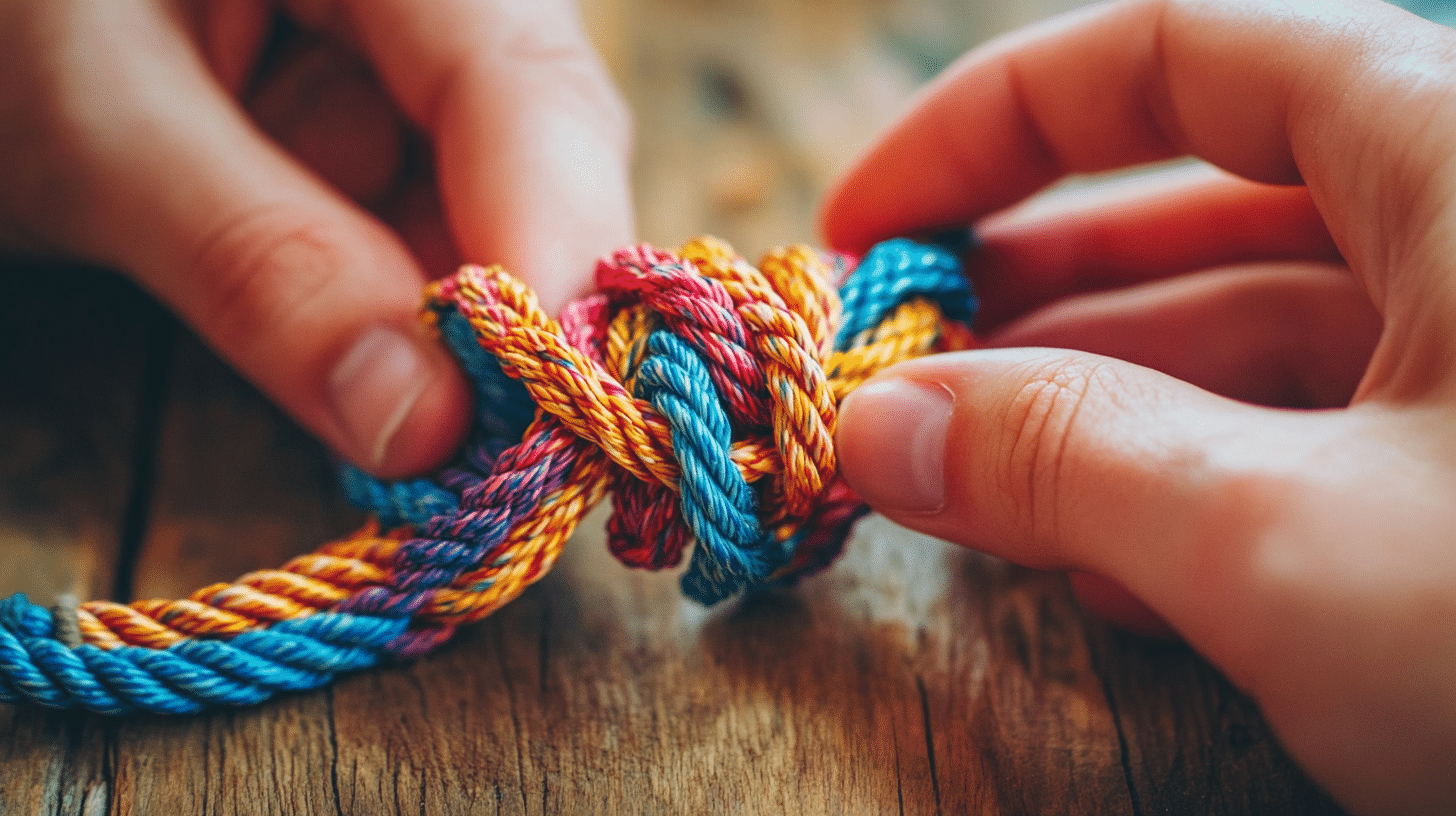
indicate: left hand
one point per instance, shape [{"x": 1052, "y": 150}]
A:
[{"x": 289, "y": 197}]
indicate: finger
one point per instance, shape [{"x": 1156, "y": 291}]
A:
[
  {"x": 1280, "y": 93},
  {"x": 1071, "y": 461},
  {"x": 1135, "y": 229},
  {"x": 232, "y": 34},
  {"x": 1064, "y": 460},
  {"x": 1290, "y": 335},
  {"x": 531, "y": 139},
  {"x": 322, "y": 104},
  {"x": 306, "y": 294}
]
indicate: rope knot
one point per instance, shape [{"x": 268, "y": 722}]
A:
[
  {"x": 701, "y": 391},
  {"x": 710, "y": 387}
]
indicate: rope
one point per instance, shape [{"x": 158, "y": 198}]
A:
[{"x": 701, "y": 391}]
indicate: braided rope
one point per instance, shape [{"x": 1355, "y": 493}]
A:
[{"x": 699, "y": 390}]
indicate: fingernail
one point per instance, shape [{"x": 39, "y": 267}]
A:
[
  {"x": 374, "y": 386},
  {"x": 900, "y": 432}
]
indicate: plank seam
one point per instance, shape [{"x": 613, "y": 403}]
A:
[
  {"x": 929, "y": 741},
  {"x": 135, "y": 519}
]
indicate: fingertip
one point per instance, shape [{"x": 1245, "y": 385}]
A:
[
  {"x": 836, "y": 215},
  {"x": 1053, "y": 459},
  {"x": 891, "y": 442},
  {"x": 547, "y": 197},
  {"x": 433, "y": 430},
  {"x": 399, "y": 402}
]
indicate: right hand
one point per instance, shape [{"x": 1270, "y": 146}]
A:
[{"x": 1116, "y": 428}]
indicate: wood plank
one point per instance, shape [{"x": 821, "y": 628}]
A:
[
  {"x": 239, "y": 486},
  {"x": 913, "y": 677},
  {"x": 1180, "y": 718},
  {"x": 75, "y": 346},
  {"x": 601, "y": 691}
]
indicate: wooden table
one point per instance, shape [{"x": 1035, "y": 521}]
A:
[{"x": 913, "y": 677}]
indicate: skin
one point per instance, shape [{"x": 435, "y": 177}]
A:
[
  {"x": 288, "y": 195},
  {"x": 276, "y": 200},
  {"x": 1228, "y": 406}
]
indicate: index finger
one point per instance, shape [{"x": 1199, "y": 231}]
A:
[
  {"x": 531, "y": 139},
  {"x": 1319, "y": 91}
]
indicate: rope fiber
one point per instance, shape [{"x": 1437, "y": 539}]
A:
[{"x": 700, "y": 391}]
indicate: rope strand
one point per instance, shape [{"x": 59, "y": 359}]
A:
[{"x": 700, "y": 390}]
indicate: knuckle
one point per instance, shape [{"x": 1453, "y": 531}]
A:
[
  {"x": 261, "y": 270},
  {"x": 1045, "y": 425}
]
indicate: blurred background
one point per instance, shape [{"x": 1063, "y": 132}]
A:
[{"x": 747, "y": 110}]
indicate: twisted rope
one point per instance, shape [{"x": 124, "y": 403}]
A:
[{"x": 699, "y": 390}]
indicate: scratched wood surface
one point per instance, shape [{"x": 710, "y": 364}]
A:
[{"x": 913, "y": 677}]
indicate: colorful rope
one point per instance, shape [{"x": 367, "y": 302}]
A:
[{"x": 700, "y": 391}]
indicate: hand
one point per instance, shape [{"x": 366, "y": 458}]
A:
[
  {"x": 271, "y": 191},
  {"x": 1311, "y": 554}
]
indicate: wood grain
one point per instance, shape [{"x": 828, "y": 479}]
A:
[
  {"x": 237, "y": 486},
  {"x": 919, "y": 680},
  {"x": 912, "y": 677},
  {"x": 75, "y": 346},
  {"x": 81, "y": 359}
]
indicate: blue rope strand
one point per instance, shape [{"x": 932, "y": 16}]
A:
[
  {"x": 26, "y": 676},
  {"x": 718, "y": 504},
  {"x": 231, "y": 659},
  {"x": 70, "y": 674},
  {"x": 413, "y": 501},
  {"x": 891, "y": 273},
  {"x": 197, "y": 682},
  {"x": 503, "y": 406},
  {"x": 293, "y": 655},
  {"x": 139, "y": 690}
]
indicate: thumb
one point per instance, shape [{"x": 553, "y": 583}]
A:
[
  {"x": 1066, "y": 460},
  {"x": 303, "y": 292}
]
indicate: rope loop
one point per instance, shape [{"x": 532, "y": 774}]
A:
[{"x": 699, "y": 390}]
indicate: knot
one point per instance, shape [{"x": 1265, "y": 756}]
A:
[
  {"x": 697, "y": 389},
  {"x": 709, "y": 387}
]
